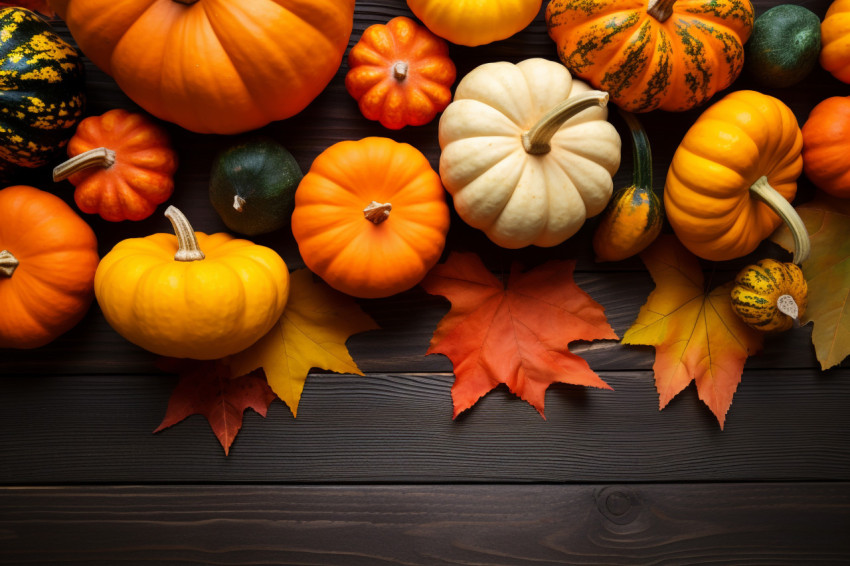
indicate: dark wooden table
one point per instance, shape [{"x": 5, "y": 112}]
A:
[{"x": 374, "y": 470}]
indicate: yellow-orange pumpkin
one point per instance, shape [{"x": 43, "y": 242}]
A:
[{"x": 370, "y": 217}]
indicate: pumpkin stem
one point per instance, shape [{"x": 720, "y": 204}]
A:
[
  {"x": 762, "y": 190},
  {"x": 642, "y": 175},
  {"x": 102, "y": 157},
  {"x": 187, "y": 243},
  {"x": 377, "y": 212},
  {"x": 8, "y": 263},
  {"x": 238, "y": 203},
  {"x": 788, "y": 306},
  {"x": 536, "y": 140},
  {"x": 660, "y": 9},
  {"x": 400, "y": 70}
]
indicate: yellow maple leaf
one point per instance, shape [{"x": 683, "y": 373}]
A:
[
  {"x": 311, "y": 333},
  {"x": 696, "y": 334}
]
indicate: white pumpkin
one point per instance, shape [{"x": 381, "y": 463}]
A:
[{"x": 528, "y": 153}]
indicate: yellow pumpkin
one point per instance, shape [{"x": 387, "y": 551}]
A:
[
  {"x": 473, "y": 22},
  {"x": 527, "y": 152},
  {"x": 191, "y": 295},
  {"x": 733, "y": 176},
  {"x": 770, "y": 295}
]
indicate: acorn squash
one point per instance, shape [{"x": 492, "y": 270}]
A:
[{"x": 784, "y": 46}]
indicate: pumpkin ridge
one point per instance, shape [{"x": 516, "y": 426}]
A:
[{"x": 631, "y": 61}]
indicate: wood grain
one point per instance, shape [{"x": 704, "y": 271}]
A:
[{"x": 497, "y": 525}]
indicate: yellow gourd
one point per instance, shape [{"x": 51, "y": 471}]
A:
[
  {"x": 191, "y": 295},
  {"x": 770, "y": 295}
]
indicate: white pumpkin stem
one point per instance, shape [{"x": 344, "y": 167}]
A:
[
  {"x": 187, "y": 244},
  {"x": 238, "y": 203},
  {"x": 377, "y": 212},
  {"x": 400, "y": 70},
  {"x": 788, "y": 306},
  {"x": 660, "y": 9},
  {"x": 8, "y": 263},
  {"x": 102, "y": 157},
  {"x": 762, "y": 190},
  {"x": 536, "y": 140}
]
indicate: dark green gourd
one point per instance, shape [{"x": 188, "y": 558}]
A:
[
  {"x": 252, "y": 186},
  {"x": 784, "y": 46}
]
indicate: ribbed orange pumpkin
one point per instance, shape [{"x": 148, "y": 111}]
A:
[
  {"x": 48, "y": 258},
  {"x": 667, "y": 54},
  {"x": 370, "y": 217},
  {"x": 400, "y": 74},
  {"x": 122, "y": 165},
  {"x": 214, "y": 66}
]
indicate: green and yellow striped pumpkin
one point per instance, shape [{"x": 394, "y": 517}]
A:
[
  {"x": 667, "y": 54},
  {"x": 770, "y": 295},
  {"x": 42, "y": 91}
]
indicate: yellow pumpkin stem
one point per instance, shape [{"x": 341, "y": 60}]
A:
[
  {"x": 400, "y": 71},
  {"x": 660, "y": 9},
  {"x": 788, "y": 306},
  {"x": 8, "y": 263},
  {"x": 377, "y": 212},
  {"x": 762, "y": 190},
  {"x": 536, "y": 140},
  {"x": 187, "y": 244},
  {"x": 102, "y": 157}
]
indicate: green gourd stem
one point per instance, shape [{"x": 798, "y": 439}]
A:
[
  {"x": 187, "y": 244},
  {"x": 400, "y": 70},
  {"x": 642, "y": 175},
  {"x": 238, "y": 203},
  {"x": 377, "y": 212},
  {"x": 788, "y": 306},
  {"x": 8, "y": 263},
  {"x": 660, "y": 9},
  {"x": 536, "y": 140},
  {"x": 99, "y": 157},
  {"x": 762, "y": 190}
]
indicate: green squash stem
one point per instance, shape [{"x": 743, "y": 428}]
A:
[
  {"x": 762, "y": 190},
  {"x": 8, "y": 263},
  {"x": 187, "y": 244},
  {"x": 99, "y": 157},
  {"x": 536, "y": 140},
  {"x": 377, "y": 212},
  {"x": 660, "y": 9},
  {"x": 642, "y": 175}
]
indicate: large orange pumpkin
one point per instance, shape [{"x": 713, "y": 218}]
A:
[
  {"x": 214, "y": 66},
  {"x": 667, "y": 54},
  {"x": 370, "y": 217},
  {"x": 48, "y": 257}
]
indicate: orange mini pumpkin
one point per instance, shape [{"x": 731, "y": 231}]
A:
[
  {"x": 370, "y": 217},
  {"x": 826, "y": 145},
  {"x": 122, "y": 164},
  {"x": 48, "y": 257},
  {"x": 400, "y": 74}
]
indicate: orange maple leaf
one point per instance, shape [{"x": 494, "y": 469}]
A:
[
  {"x": 206, "y": 388},
  {"x": 696, "y": 334},
  {"x": 517, "y": 334}
]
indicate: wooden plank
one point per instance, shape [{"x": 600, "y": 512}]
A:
[
  {"x": 742, "y": 524},
  {"x": 783, "y": 425}
]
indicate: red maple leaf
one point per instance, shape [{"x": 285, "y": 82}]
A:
[
  {"x": 40, "y": 6},
  {"x": 517, "y": 334},
  {"x": 206, "y": 388}
]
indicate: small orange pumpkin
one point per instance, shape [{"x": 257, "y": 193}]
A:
[
  {"x": 370, "y": 217},
  {"x": 122, "y": 164},
  {"x": 835, "y": 41},
  {"x": 400, "y": 74},
  {"x": 826, "y": 145},
  {"x": 48, "y": 257}
]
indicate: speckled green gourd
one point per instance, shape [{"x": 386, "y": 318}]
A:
[
  {"x": 252, "y": 186},
  {"x": 42, "y": 88},
  {"x": 784, "y": 46}
]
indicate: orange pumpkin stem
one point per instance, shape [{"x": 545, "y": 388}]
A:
[
  {"x": 187, "y": 244},
  {"x": 400, "y": 70},
  {"x": 762, "y": 190},
  {"x": 8, "y": 263},
  {"x": 660, "y": 9},
  {"x": 377, "y": 212},
  {"x": 99, "y": 157},
  {"x": 536, "y": 140},
  {"x": 788, "y": 306}
]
